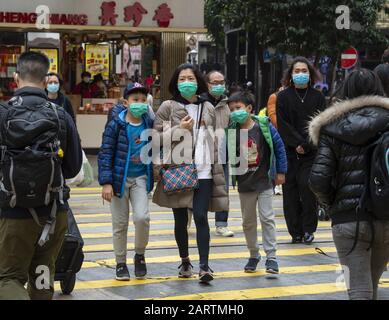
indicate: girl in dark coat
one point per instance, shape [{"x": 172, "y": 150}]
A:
[{"x": 342, "y": 133}]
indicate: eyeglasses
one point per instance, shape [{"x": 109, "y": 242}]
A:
[{"x": 215, "y": 83}]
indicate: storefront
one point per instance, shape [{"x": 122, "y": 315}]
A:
[{"x": 121, "y": 41}]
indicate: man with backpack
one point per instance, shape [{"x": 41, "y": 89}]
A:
[
  {"x": 39, "y": 149},
  {"x": 350, "y": 176}
]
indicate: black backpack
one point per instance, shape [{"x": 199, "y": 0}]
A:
[
  {"x": 31, "y": 157},
  {"x": 377, "y": 189}
]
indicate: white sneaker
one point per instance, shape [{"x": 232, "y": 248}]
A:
[
  {"x": 224, "y": 232},
  {"x": 278, "y": 191}
]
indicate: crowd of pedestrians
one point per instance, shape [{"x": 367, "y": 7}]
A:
[{"x": 187, "y": 154}]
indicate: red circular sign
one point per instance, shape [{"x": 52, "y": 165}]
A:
[{"x": 349, "y": 58}]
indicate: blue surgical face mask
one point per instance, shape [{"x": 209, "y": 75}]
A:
[
  {"x": 138, "y": 109},
  {"x": 53, "y": 87},
  {"x": 218, "y": 90},
  {"x": 188, "y": 89},
  {"x": 301, "y": 79},
  {"x": 239, "y": 116}
]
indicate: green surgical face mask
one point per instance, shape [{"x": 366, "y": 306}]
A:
[
  {"x": 188, "y": 89},
  {"x": 138, "y": 109},
  {"x": 218, "y": 90},
  {"x": 239, "y": 116}
]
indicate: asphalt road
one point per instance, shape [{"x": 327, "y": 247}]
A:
[{"x": 304, "y": 274}]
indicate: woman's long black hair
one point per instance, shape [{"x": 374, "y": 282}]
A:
[
  {"x": 361, "y": 82},
  {"x": 173, "y": 86},
  {"x": 287, "y": 80}
]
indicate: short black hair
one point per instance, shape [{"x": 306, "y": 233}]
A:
[
  {"x": 245, "y": 97},
  {"x": 361, "y": 82},
  {"x": 33, "y": 66},
  {"x": 382, "y": 72},
  {"x": 98, "y": 77},
  {"x": 86, "y": 74},
  {"x": 210, "y": 73},
  {"x": 53, "y": 74},
  {"x": 287, "y": 79},
  {"x": 173, "y": 86}
]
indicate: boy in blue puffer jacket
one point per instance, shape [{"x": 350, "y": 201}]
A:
[
  {"x": 127, "y": 177},
  {"x": 264, "y": 154}
]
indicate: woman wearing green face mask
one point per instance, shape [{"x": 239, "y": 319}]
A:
[
  {"x": 215, "y": 95},
  {"x": 183, "y": 112}
]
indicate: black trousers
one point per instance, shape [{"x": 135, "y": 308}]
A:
[
  {"x": 201, "y": 199},
  {"x": 300, "y": 205}
]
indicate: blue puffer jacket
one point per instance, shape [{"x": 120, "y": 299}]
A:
[{"x": 114, "y": 156}]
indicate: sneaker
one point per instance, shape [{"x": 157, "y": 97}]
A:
[
  {"x": 297, "y": 239},
  {"x": 185, "y": 269},
  {"x": 140, "y": 266},
  {"x": 206, "y": 274},
  {"x": 122, "y": 273},
  {"x": 308, "y": 238},
  {"x": 278, "y": 190},
  {"x": 224, "y": 232},
  {"x": 272, "y": 266},
  {"x": 251, "y": 266}
]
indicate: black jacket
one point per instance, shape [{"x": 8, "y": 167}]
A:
[
  {"x": 342, "y": 134},
  {"x": 72, "y": 161},
  {"x": 293, "y": 117},
  {"x": 65, "y": 103}
]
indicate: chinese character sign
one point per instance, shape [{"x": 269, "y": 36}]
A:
[
  {"x": 108, "y": 13},
  {"x": 163, "y": 15},
  {"x": 135, "y": 13}
]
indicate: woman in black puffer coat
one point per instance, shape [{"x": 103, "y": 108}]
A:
[{"x": 342, "y": 134}]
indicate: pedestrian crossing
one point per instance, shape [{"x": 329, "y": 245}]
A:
[{"x": 304, "y": 274}]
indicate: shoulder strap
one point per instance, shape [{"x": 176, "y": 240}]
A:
[
  {"x": 3, "y": 118},
  {"x": 198, "y": 125}
]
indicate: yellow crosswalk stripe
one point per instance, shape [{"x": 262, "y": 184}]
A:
[
  {"x": 172, "y": 243},
  {"x": 106, "y": 215},
  {"x": 152, "y": 222},
  {"x": 159, "y": 222},
  {"x": 264, "y": 293},
  {"x": 111, "y": 283},
  {"x": 323, "y": 226},
  {"x": 212, "y": 256}
]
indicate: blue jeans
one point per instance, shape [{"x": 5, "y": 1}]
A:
[{"x": 221, "y": 217}]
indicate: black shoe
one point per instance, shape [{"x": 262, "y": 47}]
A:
[
  {"x": 140, "y": 266},
  {"x": 251, "y": 266},
  {"x": 185, "y": 269},
  {"x": 297, "y": 239},
  {"x": 206, "y": 274},
  {"x": 308, "y": 238},
  {"x": 272, "y": 266},
  {"x": 122, "y": 273}
]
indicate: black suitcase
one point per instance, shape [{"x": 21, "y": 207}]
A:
[{"x": 70, "y": 258}]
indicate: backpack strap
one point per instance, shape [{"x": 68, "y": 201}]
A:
[
  {"x": 264, "y": 125},
  {"x": 49, "y": 227}
]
